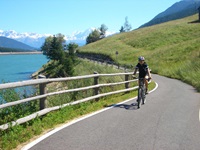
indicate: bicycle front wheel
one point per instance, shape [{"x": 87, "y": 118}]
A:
[
  {"x": 143, "y": 96},
  {"x": 139, "y": 97}
]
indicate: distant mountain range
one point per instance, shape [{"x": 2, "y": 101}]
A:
[
  {"x": 36, "y": 40},
  {"x": 32, "y": 39},
  {"x": 7, "y": 43},
  {"x": 179, "y": 10}
]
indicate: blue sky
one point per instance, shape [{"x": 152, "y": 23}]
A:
[{"x": 67, "y": 16}]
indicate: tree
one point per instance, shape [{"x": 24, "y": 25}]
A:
[
  {"x": 122, "y": 29},
  {"x": 71, "y": 47},
  {"x": 127, "y": 26},
  {"x": 53, "y": 46},
  {"x": 69, "y": 60},
  {"x": 93, "y": 36},
  {"x": 103, "y": 30},
  {"x": 62, "y": 63},
  {"x": 66, "y": 65},
  {"x": 97, "y": 34},
  {"x": 55, "y": 51},
  {"x": 47, "y": 45}
]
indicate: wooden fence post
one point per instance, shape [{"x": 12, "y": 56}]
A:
[
  {"x": 126, "y": 79},
  {"x": 42, "y": 88},
  {"x": 96, "y": 82}
]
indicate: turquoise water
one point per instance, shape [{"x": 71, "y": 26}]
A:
[{"x": 20, "y": 67}]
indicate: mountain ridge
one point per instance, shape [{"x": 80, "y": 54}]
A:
[
  {"x": 178, "y": 10},
  {"x": 8, "y": 43},
  {"x": 36, "y": 40}
]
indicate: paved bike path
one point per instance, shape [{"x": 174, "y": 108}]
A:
[{"x": 168, "y": 121}]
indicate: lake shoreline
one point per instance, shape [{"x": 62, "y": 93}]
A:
[{"x": 20, "y": 53}]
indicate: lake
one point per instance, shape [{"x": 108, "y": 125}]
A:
[{"x": 20, "y": 67}]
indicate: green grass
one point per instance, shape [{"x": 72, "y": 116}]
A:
[
  {"x": 84, "y": 68},
  {"x": 171, "y": 49}
]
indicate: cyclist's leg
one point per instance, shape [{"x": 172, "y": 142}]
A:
[
  {"x": 146, "y": 85},
  {"x": 138, "y": 89}
]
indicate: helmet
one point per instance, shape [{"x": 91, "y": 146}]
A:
[{"x": 141, "y": 58}]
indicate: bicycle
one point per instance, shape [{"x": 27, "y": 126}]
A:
[{"x": 141, "y": 91}]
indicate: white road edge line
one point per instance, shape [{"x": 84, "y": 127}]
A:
[
  {"x": 28, "y": 146},
  {"x": 199, "y": 115}
]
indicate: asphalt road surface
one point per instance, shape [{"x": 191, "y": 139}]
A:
[{"x": 170, "y": 120}]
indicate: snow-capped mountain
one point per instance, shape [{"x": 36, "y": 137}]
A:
[
  {"x": 31, "y": 39},
  {"x": 36, "y": 40},
  {"x": 81, "y": 35}
]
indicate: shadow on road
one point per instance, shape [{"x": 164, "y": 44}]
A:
[{"x": 132, "y": 106}]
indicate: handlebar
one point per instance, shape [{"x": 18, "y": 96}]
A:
[{"x": 149, "y": 78}]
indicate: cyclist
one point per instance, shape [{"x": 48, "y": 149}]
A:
[{"x": 144, "y": 71}]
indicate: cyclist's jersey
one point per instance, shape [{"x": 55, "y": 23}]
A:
[{"x": 142, "y": 69}]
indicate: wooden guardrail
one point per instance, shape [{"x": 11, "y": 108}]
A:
[
  {"x": 104, "y": 61},
  {"x": 43, "y": 95}
]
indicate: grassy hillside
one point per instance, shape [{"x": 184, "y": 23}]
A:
[{"x": 171, "y": 49}]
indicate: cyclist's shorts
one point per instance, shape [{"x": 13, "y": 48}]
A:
[{"x": 146, "y": 77}]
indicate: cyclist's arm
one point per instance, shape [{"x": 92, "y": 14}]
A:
[
  {"x": 149, "y": 74},
  {"x": 136, "y": 69}
]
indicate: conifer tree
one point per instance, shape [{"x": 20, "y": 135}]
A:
[
  {"x": 127, "y": 26},
  {"x": 62, "y": 62},
  {"x": 93, "y": 36},
  {"x": 103, "y": 30}
]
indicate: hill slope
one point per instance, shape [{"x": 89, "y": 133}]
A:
[
  {"x": 179, "y": 10},
  {"x": 13, "y": 44},
  {"x": 171, "y": 49}
]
